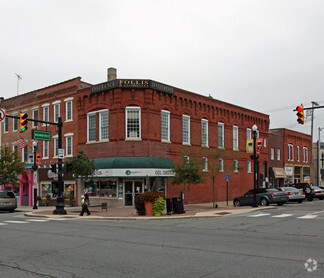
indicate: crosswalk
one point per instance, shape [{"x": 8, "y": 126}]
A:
[
  {"x": 312, "y": 215},
  {"x": 28, "y": 221}
]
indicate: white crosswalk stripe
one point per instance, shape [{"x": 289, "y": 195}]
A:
[
  {"x": 16, "y": 222},
  {"x": 3, "y": 224},
  {"x": 39, "y": 220},
  {"x": 282, "y": 215},
  {"x": 308, "y": 216},
  {"x": 259, "y": 215}
]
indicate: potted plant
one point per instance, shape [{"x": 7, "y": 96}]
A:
[
  {"x": 148, "y": 198},
  {"x": 158, "y": 206}
]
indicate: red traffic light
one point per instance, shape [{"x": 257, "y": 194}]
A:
[{"x": 300, "y": 114}]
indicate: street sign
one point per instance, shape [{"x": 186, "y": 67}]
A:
[
  {"x": 41, "y": 135},
  {"x": 227, "y": 178},
  {"x": 2, "y": 114},
  {"x": 61, "y": 153}
]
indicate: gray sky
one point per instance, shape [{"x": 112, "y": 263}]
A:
[{"x": 267, "y": 56}]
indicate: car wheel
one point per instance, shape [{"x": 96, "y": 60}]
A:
[
  {"x": 264, "y": 202},
  {"x": 280, "y": 204},
  {"x": 11, "y": 211},
  {"x": 321, "y": 198},
  {"x": 300, "y": 201},
  {"x": 237, "y": 203}
]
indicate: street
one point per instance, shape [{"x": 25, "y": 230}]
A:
[{"x": 284, "y": 241}]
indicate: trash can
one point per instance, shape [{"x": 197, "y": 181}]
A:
[
  {"x": 169, "y": 206},
  {"x": 177, "y": 204}
]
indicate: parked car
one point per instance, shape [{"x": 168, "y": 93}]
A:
[
  {"x": 307, "y": 189},
  {"x": 294, "y": 194},
  {"x": 264, "y": 197},
  {"x": 319, "y": 192},
  {"x": 8, "y": 201}
]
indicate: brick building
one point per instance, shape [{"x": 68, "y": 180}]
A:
[
  {"x": 289, "y": 157},
  {"x": 45, "y": 104},
  {"x": 136, "y": 129}
]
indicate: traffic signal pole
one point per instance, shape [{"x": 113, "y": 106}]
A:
[{"x": 59, "y": 199}]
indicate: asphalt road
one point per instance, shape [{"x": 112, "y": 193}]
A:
[{"x": 268, "y": 243}]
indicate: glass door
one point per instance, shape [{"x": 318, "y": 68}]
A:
[{"x": 133, "y": 189}]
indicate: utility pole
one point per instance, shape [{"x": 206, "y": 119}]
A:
[{"x": 319, "y": 157}]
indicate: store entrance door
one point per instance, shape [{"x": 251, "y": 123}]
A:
[{"x": 133, "y": 189}]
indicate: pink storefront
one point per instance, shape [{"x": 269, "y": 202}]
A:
[{"x": 24, "y": 192}]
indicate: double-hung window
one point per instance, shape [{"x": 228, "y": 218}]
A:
[
  {"x": 103, "y": 125},
  {"x": 92, "y": 127},
  {"x": 6, "y": 125},
  {"x": 305, "y": 154},
  {"x": 55, "y": 140},
  {"x": 69, "y": 144},
  {"x": 35, "y": 117},
  {"x": 220, "y": 135},
  {"x": 221, "y": 165},
  {"x": 133, "y": 122},
  {"x": 290, "y": 152},
  {"x": 272, "y": 153},
  {"x": 205, "y": 164},
  {"x": 248, "y": 133},
  {"x": 56, "y": 108},
  {"x": 249, "y": 166},
  {"x": 15, "y": 124},
  {"x": 68, "y": 109},
  {"x": 45, "y": 149},
  {"x": 235, "y": 166},
  {"x": 235, "y": 138},
  {"x": 186, "y": 129},
  {"x": 45, "y": 112},
  {"x": 204, "y": 133},
  {"x": 165, "y": 126},
  {"x": 278, "y": 154},
  {"x": 298, "y": 153}
]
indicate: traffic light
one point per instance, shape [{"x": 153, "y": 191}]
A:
[
  {"x": 23, "y": 122},
  {"x": 300, "y": 114}
]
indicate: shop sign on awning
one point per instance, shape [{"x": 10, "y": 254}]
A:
[{"x": 279, "y": 172}]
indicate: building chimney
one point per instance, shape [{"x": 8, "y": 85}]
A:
[{"x": 112, "y": 74}]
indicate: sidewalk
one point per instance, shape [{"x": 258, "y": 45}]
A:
[{"x": 129, "y": 213}]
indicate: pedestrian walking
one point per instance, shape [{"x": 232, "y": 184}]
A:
[{"x": 85, "y": 202}]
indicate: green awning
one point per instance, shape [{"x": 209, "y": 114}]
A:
[{"x": 133, "y": 163}]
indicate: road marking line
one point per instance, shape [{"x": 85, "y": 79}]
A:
[
  {"x": 259, "y": 215},
  {"x": 3, "y": 224},
  {"x": 16, "y": 222},
  {"x": 282, "y": 215},
  {"x": 308, "y": 216},
  {"x": 38, "y": 220}
]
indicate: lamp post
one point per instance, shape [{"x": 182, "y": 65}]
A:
[
  {"x": 35, "y": 176},
  {"x": 255, "y": 158}
]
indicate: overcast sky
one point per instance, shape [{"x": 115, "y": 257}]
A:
[{"x": 266, "y": 56}]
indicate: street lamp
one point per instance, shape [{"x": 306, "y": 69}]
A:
[
  {"x": 35, "y": 175},
  {"x": 255, "y": 158}
]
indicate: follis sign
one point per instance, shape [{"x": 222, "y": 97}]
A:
[{"x": 132, "y": 83}]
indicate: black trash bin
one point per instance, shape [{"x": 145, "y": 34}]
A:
[
  {"x": 177, "y": 204},
  {"x": 169, "y": 206}
]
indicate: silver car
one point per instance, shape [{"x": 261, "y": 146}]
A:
[
  {"x": 294, "y": 194},
  {"x": 8, "y": 201}
]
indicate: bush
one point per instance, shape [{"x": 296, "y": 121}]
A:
[{"x": 158, "y": 206}]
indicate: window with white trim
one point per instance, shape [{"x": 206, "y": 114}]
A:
[
  {"x": 46, "y": 113},
  {"x": 133, "y": 122},
  {"x": 104, "y": 125},
  {"x": 249, "y": 166},
  {"x": 205, "y": 164},
  {"x": 272, "y": 153},
  {"x": 92, "y": 127},
  {"x": 235, "y": 138},
  {"x": 248, "y": 133},
  {"x": 35, "y": 117},
  {"x": 165, "y": 126},
  {"x": 56, "y": 108},
  {"x": 290, "y": 152},
  {"x": 221, "y": 165},
  {"x": 298, "y": 153},
  {"x": 24, "y": 153},
  {"x": 15, "y": 124},
  {"x": 55, "y": 141},
  {"x": 185, "y": 129},
  {"x": 204, "y": 133},
  {"x": 69, "y": 145},
  {"x": 68, "y": 110},
  {"x": 6, "y": 125},
  {"x": 45, "y": 149},
  {"x": 15, "y": 148},
  {"x": 305, "y": 154},
  {"x": 220, "y": 135},
  {"x": 278, "y": 154},
  {"x": 235, "y": 166}
]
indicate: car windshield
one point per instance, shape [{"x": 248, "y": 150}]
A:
[{"x": 290, "y": 189}]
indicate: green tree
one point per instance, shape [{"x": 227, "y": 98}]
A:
[
  {"x": 82, "y": 166},
  {"x": 188, "y": 171},
  {"x": 11, "y": 167}
]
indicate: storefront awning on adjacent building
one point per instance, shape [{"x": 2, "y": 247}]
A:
[
  {"x": 279, "y": 172},
  {"x": 133, "y": 167}
]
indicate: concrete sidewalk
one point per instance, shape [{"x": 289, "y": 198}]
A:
[{"x": 129, "y": 213}]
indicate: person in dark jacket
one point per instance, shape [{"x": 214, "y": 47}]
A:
[{"x": 85, "y": 202}]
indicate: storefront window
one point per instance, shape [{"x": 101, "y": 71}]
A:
[{"x": 103, "y": 188}]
